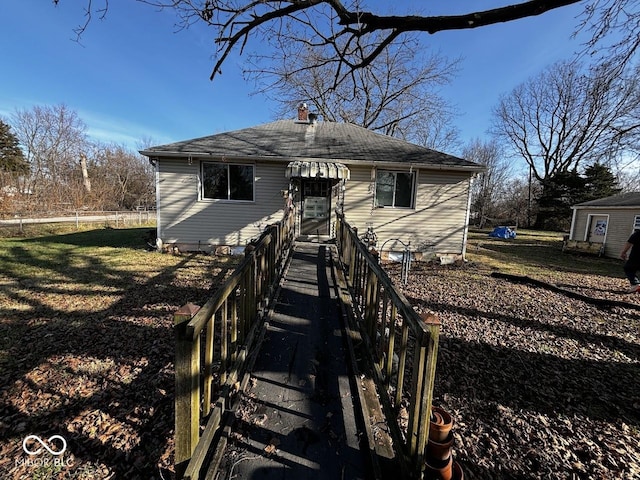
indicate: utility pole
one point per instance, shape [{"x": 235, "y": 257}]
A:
[{"x": 529, "y": 201}]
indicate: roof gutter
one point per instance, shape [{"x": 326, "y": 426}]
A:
[
  {"x": 154, "y": 155},
  {"x": 605, "y": 207}
]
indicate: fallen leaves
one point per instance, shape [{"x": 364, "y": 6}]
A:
[
  {"x": 540, "y": 385},
  {"x": 100, "y": 426},
  {"x": 272, "y": 446},
  {"x": 86, "y": 352}
]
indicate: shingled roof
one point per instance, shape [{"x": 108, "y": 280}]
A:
[
  {"x": 631, "y": 199},
  {"x": 288, "y": 140}
]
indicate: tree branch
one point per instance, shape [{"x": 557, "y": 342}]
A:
[
  {"x": 363, "y": 36},
  {"x": 450, "y": 22}
]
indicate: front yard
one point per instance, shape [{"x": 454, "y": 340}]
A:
[
  {"x": 541, "y": 385},
  {"x": 86, "y": 352}
]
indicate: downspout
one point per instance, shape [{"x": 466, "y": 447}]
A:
[{"x": 465, "y": 234}]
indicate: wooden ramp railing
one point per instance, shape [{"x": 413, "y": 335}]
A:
[
  {"x": 213, "y": 342},
  {"x": 403, "y": 347}
]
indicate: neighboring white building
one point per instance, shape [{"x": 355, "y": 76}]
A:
[{"x": 222, "y": 190}]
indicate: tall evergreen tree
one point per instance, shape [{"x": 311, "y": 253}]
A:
[
  {"x": 565, "y": 189},
  {"x": 559, "y": 193},
  {"x": 599, "y": 182},
  {"x": 11, "y": 157}
]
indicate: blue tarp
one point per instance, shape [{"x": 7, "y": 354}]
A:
[{"x": 503, "y": 232}]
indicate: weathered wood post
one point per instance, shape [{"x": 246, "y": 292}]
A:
[
  {"x": 352, "y": 257},
  {"x": 371, "y": 303},
  {"x": 187, "y": 401},
  {"x": 251, "y": 286},
  {"x": 428, "y": 355},
  {"x": 388, "y": 369}
]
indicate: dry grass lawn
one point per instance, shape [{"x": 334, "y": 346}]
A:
[{"x": 86, "y": 352}]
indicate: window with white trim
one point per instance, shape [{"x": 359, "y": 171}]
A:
[
  {"x": 394, "y": 189},
  {"x": 227, "y": 181},
  {"x": 636, "y": 222}
]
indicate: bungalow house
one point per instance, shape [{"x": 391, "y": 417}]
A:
[
  {"x": 220, "y": 191},
  {"x": 608, "y": 221}
]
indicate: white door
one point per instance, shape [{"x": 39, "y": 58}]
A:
[
  {"x": 316, "y": 207},
  {"x": 597, "y": 228}
]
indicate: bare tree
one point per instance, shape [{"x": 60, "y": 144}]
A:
[
  {"x": 514, "y": 203},
  {"x": 614, "y": 26},
  {"x": 488, "y": 185},
  {"x": 563, "y": 120},
  {"x": 397, "y": 95},
  {"x": 629, "y": 180},
  {"x": 68, "y": 172},
  {"x": 344, "y": 28},
  {"x": 53, "y": 139},
  {"x": 122, "y": 179},
  {"x": 563, "y": 117}
]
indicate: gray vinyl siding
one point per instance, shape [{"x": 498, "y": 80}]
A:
[
  {"x": 619, "y": 227},
  {"x": 435, "y": 226},
  {"x": 190, "y": 221}
]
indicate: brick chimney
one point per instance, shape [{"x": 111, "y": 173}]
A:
[{"x": 303, "y": 112}]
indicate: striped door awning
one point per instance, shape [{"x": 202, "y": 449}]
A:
[{"x": 303, "y": 169}]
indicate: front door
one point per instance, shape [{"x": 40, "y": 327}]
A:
[
  {"x": 597, "y": 228},
  {"x": 316, "y": 207}
]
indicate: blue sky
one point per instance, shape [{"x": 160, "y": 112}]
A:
[{"x": 134, "y": 75}]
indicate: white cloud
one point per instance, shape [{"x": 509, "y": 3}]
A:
[
  {"x": 100, "y": 127},
  {"x": 108, "y": 129}
]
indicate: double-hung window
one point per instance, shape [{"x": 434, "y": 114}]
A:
[
  {"x": 224, "y": 181},
  {"x": 636, "y": 222},
  {"x": 394, "y": 189}
]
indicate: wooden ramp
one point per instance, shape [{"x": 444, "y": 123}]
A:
[{"x": 299, "y": 416}]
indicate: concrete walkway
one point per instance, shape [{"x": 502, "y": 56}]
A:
[{"x": 297, "y": 420}]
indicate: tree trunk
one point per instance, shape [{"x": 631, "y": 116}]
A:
[{"x": 85, "y": 173}]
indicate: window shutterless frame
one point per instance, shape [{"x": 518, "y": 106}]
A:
[
  {"x": 227, "y": 181},
  {"x": 395, "y": 189}
]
